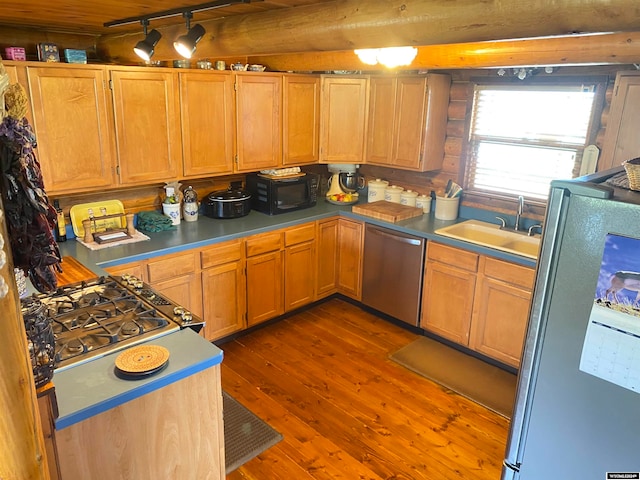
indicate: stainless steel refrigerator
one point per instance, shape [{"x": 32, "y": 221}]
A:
[{"x": 577, "y": 412}]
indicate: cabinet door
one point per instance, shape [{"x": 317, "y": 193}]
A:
[
  {"x": 382, "y": 94},
  {"x": 447, "y": 303},
  {"x": 299, "y": 275},
  {"x": 259, "y": 122},
  {"x": 301, "y": 120},
  {"x": 409, "y": 122},
  {"x": 207, "y": 113},
  {"x": 343, "y": 119},
  {"x": 500, "y": 320},
  {"x": 327, "y": 257},
  {"x": 350, "y": 244},
  {"x": 223, "y": 299},
  {"x": 501, "y": 310},
  {"x": 185, "y": 290},
  {"x": 146, "y": 108},
  {"x": 264, "y": 287},
  {"x": 622, "y": 142},
  {"x": 17, "y": 72},
  {"x": 73, "y": 126},
  {"x": 137, "y": 269}
]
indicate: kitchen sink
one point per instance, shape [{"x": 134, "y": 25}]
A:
[{"x": 492, "y": 236}]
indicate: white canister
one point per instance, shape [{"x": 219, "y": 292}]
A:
[
  {"x": 408, "y": 197},
  {"x": 376, "y": 190},
  {"x": 424, "y": 202},
  {"x": 392, "y": 193},
  {"x": 190, "y": 211}
]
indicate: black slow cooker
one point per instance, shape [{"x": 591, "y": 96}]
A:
[{"x": 231, "y": 203}]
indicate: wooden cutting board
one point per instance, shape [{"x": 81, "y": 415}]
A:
[
  {"x": 73, "y": 271},
  {"x": 390, "y": 212}
]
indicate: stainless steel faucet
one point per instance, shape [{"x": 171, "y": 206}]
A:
[{"x": 516, "y": 226}]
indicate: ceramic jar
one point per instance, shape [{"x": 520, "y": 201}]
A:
[
  {"x": 376, "y": 190},
  {"x": 408, "y": 197},
  {"x": 424, "y": 202},
  {"x": 392, "y": 193}
]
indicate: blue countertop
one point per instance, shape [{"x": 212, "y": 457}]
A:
[
  {"x": 93, "y": 387},
  {"x": 207, "y": 231}
]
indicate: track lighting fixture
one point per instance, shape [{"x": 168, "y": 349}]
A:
[
  {"x": 185, "y": 45},
  {"x": 144, "y": 48}
]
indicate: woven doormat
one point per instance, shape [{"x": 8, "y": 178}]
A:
[
  {"x": 245, "y": 435},
  {"x": 468, "y": 376}
]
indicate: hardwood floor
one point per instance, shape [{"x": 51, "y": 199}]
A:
[{"x": 324, "y": 380}]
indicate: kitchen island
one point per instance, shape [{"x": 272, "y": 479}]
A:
[{"x": 167, "y": 425}]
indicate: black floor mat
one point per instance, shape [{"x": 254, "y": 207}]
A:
[
  {"x": 485, "y": 384},
  {"x": 245, "y": 435}
]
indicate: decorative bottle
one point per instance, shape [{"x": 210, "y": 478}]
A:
[{"x": 61, "y": 227}]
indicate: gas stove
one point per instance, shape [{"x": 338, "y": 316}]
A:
[{"x": 99, "y": 316}]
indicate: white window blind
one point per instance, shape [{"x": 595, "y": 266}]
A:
[{"x": 524, "y": 136}]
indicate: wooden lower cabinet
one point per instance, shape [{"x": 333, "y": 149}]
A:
[
  {"x": 327, "y": 257},
  {"x": 349, "y": 263},
  {"x": 501, "y": 310},
  {"x": 477, "y": 301},
  {"x": 185, "y": 290},
  {"x": 137, "y": 269},
  {"x": 447, "y": 303},
  {"x": 223, "y": 289},
  {"x": 299, "y": 266},
  {"x": 162, "y": 434},
  {"x": 264, "y": 287},
  {"x": 48, "y": 409}
]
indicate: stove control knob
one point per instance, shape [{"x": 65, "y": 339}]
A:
[
  {"x": 179, "y": 311},
  {"x": 138, "y": 285},
  {"x": 187, "y": 317}
]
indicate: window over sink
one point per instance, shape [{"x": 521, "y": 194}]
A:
[{"x": 522, "y": 136}]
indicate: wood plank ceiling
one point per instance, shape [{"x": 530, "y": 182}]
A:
[{"x": 89, "y": 17}]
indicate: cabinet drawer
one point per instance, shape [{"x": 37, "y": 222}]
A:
[
  {"x": 220, "y": 254},
  {"x": 452, "y": 256},
  {"x": 170, "y": 267},
  {"x": 303, "y": 233},
  {"x": 263, "y": 243},
  {"x": 509, "y": 272}
]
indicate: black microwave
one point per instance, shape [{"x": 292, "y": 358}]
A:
[{"x": 281, "y": 195}]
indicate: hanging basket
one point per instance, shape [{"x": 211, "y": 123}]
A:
[{"x": 632, "y": 167}]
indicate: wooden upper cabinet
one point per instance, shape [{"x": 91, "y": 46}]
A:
[
  {"x": 301, "y": 120},
  {"x": 207, "y": 114},
  {"x": 147, "y": 119},
  {"x": 72, "y": 122},
  {"x": 17, "y": 72},
  {"x": 343, "y": 119},
  {"x": 622, "y": 141},
  {"x": 258, "y": 121},
  {"x": 382, "y": 100},
  {"x": 408, "y": 121}
]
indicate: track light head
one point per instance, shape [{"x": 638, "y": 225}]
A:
[
  {"x": 145, "y": 48},
  {"x": 185, "y": 45}
]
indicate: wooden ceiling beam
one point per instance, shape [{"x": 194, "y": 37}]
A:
[
  {"x": 605, "y": 49},
  {"x": 348, "y": 24}
]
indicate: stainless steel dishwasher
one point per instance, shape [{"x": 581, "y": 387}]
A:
[{"x": 392, "y": 273}]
